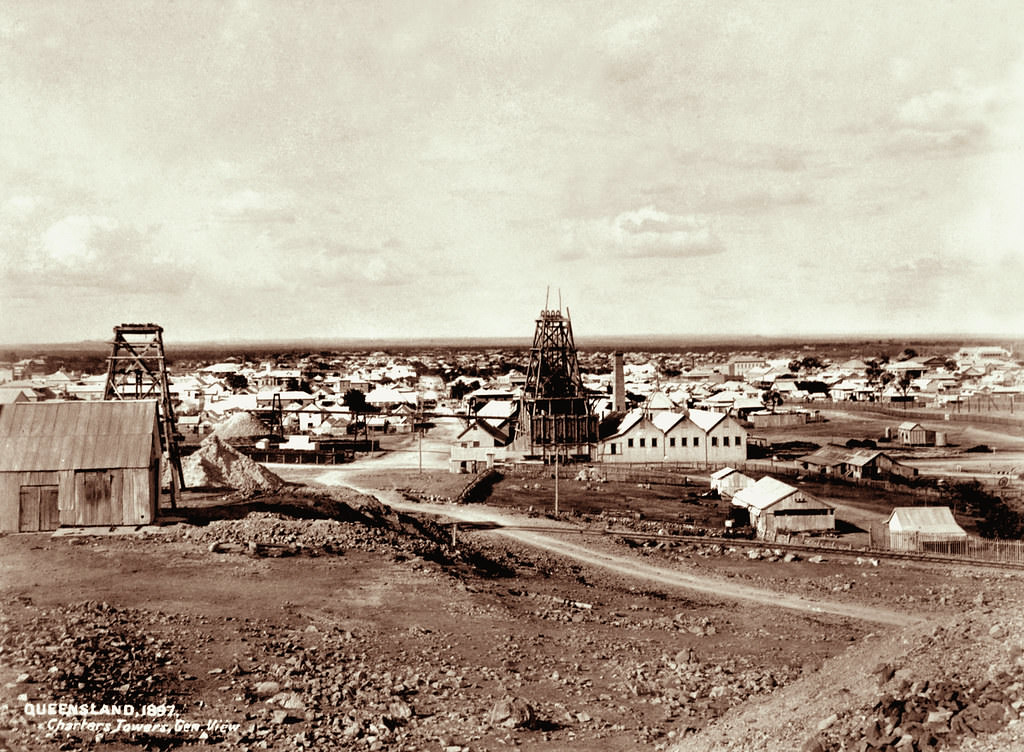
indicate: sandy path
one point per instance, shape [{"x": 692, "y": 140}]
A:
[{"x": 511, "y": 526}]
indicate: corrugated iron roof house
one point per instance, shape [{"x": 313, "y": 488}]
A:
[
  {"x": 777, "y": 507},
  {"x": 78, "y": 463}
]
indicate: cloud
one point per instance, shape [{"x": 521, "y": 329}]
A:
[
  {"x": 254, "y": 206},
  {"x": 630, "y": 34},
  {"x": 20, "y": 208},
  {"x": 763, "y": 198},
  {"x": 69, "y": 241},
  {"x": 962, "y": 117},
  {"x": 643, "y": 233},
  {"x": 92, "y": 254}
]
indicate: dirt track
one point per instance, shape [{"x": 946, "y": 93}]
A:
[{"x": 511, "y": 526}]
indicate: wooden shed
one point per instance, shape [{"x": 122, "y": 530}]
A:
[
  {"x": 776, "y": 507},
  {"x": 78, "y": 463},
  {"x": 920, "y": 528}
]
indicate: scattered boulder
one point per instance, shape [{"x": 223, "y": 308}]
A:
[{"x": 511, "y": 712}]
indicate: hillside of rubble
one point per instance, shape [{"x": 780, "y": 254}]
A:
[{"x": 320, "y": 618}]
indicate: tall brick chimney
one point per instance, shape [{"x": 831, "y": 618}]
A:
[{"x": 619, "y": 386}]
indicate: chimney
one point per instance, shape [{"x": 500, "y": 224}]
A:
[{"x": 619, "y": 386}]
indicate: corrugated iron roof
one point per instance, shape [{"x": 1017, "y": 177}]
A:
[
  {"x": 764, "y": 493},
  {"x": 930, "y": 520},
  {"x": 47, "y": 436}
]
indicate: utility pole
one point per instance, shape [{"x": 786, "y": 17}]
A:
[
  {"x": 556, "y": 481},
  {"x": 419, "y": 433}
]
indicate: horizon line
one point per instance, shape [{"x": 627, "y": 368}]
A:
[{"x": 524, "y": 340}]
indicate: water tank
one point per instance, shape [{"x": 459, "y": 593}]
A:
[
  {"x": 888, "y": 433},
  {"x": 940, "y": 438}
]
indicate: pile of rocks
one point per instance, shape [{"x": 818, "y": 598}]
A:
[
  {"x": 924, "y": 716},
  {"x": 216, "y": 464},
  {"x": 88, "y": 653},
  {"x": 242, "y": 425},
  {"x": 311, "y": 525},
  {"x": 91, "y": 649}
]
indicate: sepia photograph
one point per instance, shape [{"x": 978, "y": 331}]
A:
[{"x": 492, "y": 375}]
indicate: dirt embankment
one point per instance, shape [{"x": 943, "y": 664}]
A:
[{"x": 324, "y": 619}]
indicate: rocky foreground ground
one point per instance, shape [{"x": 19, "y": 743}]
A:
[{"x": 325, "y": 621}]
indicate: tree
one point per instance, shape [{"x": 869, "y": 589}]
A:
[
  {"x": 996, "y": 519},
  {"x": 907, "y": 354},
  {"x": 771, "y": 399},
  {"x": 904, "y": 386},
  {"x": 810, "y": 363},
  {"x": 236, "y": 381},
  {"x": 876, "y": 376},
  {"x": 460, "y": 389},
  {"x": 355, "y": 400},
  {"x": 794, "y": 365},
  {"x": 873, "y": 372}
]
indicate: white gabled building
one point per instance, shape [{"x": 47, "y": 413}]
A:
[
  {"x": 728, "y": 481},
  {"x": 694, "y": 437}
]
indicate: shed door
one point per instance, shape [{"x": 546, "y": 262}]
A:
[
  {"x": 37, "y": 509},
  {"x": 94, "y": 493}
]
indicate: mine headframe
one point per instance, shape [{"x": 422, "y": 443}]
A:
[
  {"x": 555, "y": 416},
  {"x": 137, "y": 369}
]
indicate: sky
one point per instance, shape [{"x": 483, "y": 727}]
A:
[{"x": 271, "y": 169}]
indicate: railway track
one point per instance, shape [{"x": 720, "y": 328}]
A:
[{"x": 871, "y": 553}]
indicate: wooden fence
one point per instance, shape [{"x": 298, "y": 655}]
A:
[
  {"x": 1008, "y": 414},
  {"x": 969, "y": 547}
]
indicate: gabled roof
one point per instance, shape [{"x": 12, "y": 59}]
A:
[
  {"x": 836, "y": 455},
  {"x": 495, "y": 433},
  {"x": 629, "y": 420},
  {"x": 723, "y": 473},
  {"x": 909, "y": 425},
  {"x": 763, "y": 494},
  {"x": 497, "y": 409},
  {"x": 659, "y": 401},
  {"x": 931, "y": 520},
  {"x": 48, "y": 436},
  {"x": 666, "y": 420},
  {"x": 705, "y": 420}
]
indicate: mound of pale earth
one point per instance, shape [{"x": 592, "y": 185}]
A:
[
  {"x": 217, "y": 464},
  {"x": 955, "y": 683},
  {"x": 242, "y": 426}
]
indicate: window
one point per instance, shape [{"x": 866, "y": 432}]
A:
[
  {"x": 629, "y": 443},
  {"x": 613, "y": 449},
  {"x": 725, "y": 441},
  {"x": 654, "y": 442},
  {"x": 672, "y": 441},
  {"x": 739, "y": 441},
  {"x": 643, "y": 442},
  {"x": 696, "y": 440},
  {"x": 714, "y": 441},
  {"x": 476, "y": 443}
]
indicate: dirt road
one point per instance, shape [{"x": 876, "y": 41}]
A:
[{"x": 511, "y": 526}]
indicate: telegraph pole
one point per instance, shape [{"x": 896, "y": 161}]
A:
[{"x": 556, "y": 481}]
